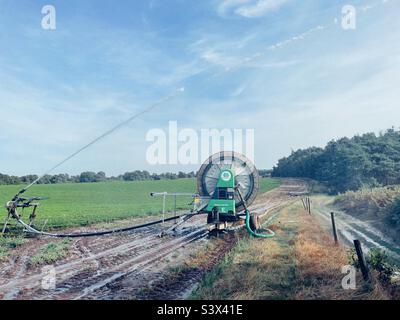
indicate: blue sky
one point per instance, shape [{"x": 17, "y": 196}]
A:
[{"x": 282, "y": 67}]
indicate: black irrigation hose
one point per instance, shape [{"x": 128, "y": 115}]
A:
[{"x": 97, "y": 233}]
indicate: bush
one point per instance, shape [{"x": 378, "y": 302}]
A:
[
  {"x": 366, "y": 201},
  {"x": 393, "y": 212},
  {"x": 378, "y": 260}
]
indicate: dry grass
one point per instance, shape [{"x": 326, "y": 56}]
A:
[
  {"x": 318, "y": 267},
  {"x": 368, "y": 201},
  {"x": 254, "y": 269},
  {"x": 374, "y": 205},
  {"x": 301, "y": 262}
]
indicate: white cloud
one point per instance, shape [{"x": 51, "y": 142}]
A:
[
  {"x": 227, "y": 5},
  {"x": 234, "y": 54},
  {"x": 219, "y": 59},
  {"x": 260, "y": 8},
  {"x": 249, "y": 8}
]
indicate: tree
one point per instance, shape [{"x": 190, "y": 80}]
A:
[
  {"x": 87, "y": 176},
  {"x": 181, "y": 175},
  {"x": 100, "y": 176},
  {"x": 348, "y": 164}
]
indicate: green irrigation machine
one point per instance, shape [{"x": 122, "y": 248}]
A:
[{"x": 227, "y": 184}]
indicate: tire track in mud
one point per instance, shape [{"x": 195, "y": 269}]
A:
[
  {"x": 70, "y": 268},
  {"x": 72, "y": 275},
  {"x": 10, "y": 295},
  {"x": 352, "y": 228},
  {"x": 142, "y": 263}
]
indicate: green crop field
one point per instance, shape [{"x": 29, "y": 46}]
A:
[
  {"x": 86, "y": 203},
  {"x": 267, "y": 184}
]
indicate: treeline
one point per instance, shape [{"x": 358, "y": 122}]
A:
[
  {"x": 89, "y": 176},
  {"x": 348, "y": 164},
  {"x": 265, "y": 173}
]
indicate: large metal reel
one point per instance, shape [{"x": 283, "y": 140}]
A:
[{"x": 245, "y": 174}]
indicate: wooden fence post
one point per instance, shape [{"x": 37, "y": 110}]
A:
[
  {"x": 335, "y": 237},
  {"x": 361, "y": 260},
  {"x": 304, "y": 205},
  {"x": 175, "y": 208},
  {"x": 163, "y": 208}
]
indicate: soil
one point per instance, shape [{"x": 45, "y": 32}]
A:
[{"x": 350, "y": 227}]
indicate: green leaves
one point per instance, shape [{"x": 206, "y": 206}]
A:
[{"x": 348, "y": 164}]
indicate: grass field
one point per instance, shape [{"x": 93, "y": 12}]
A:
[{"x": 86, "y": 203}]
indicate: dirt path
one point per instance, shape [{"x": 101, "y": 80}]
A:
[
  {"x": 123, "y": 266},
  {"x": 351, "y": 228}
]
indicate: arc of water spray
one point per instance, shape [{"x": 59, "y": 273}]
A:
[{"x": 105, "y": 134}]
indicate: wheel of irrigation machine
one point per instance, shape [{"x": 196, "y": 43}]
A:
[
  {"x": 255, "y": 222},
  {"x": 245, "y": 173}
]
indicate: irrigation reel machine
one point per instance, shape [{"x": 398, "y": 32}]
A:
[{"x": 227, "y": 183}]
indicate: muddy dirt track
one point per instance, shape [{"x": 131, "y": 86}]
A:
[
  {"x": 135, "y": 265},
  {"x": 350, "y": 228}
]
